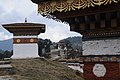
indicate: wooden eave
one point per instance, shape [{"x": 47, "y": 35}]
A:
[
  {"x": 34, "y": 31},
  {"x": 25, "y": 24},
  {"x": 25, "y": 27}
]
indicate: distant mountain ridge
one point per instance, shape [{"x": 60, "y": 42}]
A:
[{"x": 6, "y": 45}]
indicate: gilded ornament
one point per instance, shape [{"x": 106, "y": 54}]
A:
[
  {"x": 52, "y": 4},
  {"x": 31, "y": 40},
  {"x": 61, "y": 6},
  {"x": 98, "y": 2},
  {"x": 96, "y": 59},
  {"x": 113, "y": 58},
  {"x": 18, "y": 40},
  {"x": 105, "y": 59}
]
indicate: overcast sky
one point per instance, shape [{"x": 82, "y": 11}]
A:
[{"x": 13, "y": 11}]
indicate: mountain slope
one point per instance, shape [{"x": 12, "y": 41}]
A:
[{"x": 6, "y": 45}]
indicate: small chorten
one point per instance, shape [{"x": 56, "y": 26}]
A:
[{"x": 25, "y": 38}]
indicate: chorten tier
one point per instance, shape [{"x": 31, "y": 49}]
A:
[{"x": 25, "y": 38}]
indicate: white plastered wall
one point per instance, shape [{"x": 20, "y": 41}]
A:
[
  {"x": 25, "y": 50},
  {"x": 101, "y": 47}
]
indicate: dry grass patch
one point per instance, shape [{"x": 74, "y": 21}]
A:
[{"x": 41, "y": 69}]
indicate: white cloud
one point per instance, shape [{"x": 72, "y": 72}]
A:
[
  {"x": 3, "y": 36},
  {"x": 24, "y": 7},
  {"x": 58, "y": 32},
  {"x": 7, "y": 5}
]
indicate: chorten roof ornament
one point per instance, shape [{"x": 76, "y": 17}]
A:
[{"x": 25, "y": 20}]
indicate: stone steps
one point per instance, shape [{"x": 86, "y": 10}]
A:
[
  {"x": 5, "y": 70},
  {"x": 4, "y": 62},
  {"x": 6, "y": 78},
  {"x": 5, "y": 65}
]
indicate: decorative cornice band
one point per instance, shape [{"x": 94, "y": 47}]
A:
[
  {"x": 24, "y": 40},
  {"x": 93, "y": 58},
  {"x": 47, "y": 7},
  {"x": 102, "y": 34}
]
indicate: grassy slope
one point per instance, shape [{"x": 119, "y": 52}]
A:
[{"x": 40, "y": 69}]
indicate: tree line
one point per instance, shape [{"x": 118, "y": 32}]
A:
[
  {"x": 44, "y": 47},
  {"x": 5, "y": 54}
]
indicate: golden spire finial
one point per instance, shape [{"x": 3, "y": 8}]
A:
[{"x": 25, "y": 20}]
